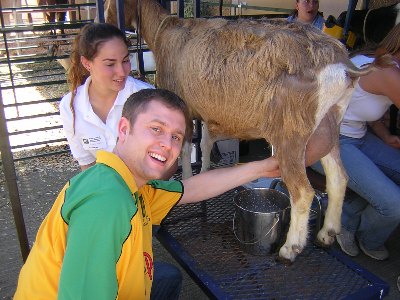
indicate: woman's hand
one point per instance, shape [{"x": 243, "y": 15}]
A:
[
  {"x": 381, "y": 131},
  {"x": 392, "y": 140}
]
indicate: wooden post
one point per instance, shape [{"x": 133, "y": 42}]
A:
[{"x": 11, "y": 181}]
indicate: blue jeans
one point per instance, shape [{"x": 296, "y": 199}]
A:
[
  {"x": 373, "y": 168},
  {"x": 167, "y": 282}
]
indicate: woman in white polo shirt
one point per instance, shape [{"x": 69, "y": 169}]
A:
[{"x": 100, "y": 84}]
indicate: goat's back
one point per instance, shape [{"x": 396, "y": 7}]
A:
[{"x": 236, "y": 73}]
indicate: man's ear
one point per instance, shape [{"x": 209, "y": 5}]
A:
[{"x": 123, "y": 128}]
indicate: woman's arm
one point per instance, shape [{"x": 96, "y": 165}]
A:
[
  {"x": 380, "y": 130},
  {"x": 385, "y": 82}
]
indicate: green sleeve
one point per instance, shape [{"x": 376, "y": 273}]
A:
[{"x": 98, "y": 227}]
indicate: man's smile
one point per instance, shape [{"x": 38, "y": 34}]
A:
[{"x": 158, "y": 157}]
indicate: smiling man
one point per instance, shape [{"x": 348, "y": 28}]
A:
[{"x": 96, "y": 241}]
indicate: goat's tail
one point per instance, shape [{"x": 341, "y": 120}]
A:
[
  {"x": 353, "y": 72},
  {"x": 382, "y": 61}
]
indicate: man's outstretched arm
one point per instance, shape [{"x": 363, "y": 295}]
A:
[{"x": 215, "y": 182}]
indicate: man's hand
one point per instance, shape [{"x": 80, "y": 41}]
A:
[
  {"x": 215, "y": 182},
  {"x": 270, "y": 167}
]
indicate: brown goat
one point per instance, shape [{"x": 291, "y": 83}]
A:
[{"x": 247, "y": 79}]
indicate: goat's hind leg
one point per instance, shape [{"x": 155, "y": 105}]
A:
[{"x": 336, "y": 182}]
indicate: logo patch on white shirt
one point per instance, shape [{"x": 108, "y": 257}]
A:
[{"x": 93, "y": 143}]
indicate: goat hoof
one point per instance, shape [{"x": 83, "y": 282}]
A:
[
  {"x": 297, "y": 249},
  {"x": 288, "y": 253},
  {"x": 325, "y": 238},
  {"x": 332, "y": 233},
  {"x": 321, "y": 244},
  {"x": 284, "y": 260}
]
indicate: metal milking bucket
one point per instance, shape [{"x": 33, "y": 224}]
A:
[{"x": 260, "y": 220}]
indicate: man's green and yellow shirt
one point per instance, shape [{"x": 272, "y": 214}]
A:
[{"x": 96, "y": 241}]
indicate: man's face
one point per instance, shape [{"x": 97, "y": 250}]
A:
[{"x": 153, "y": 143}]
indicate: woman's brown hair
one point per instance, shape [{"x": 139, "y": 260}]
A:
[
  {"x": 385, "y": 50},
  {"x": 87, "y": 43}
]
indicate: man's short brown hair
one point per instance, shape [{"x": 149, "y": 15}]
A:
[{"x": 137, "y": 103}]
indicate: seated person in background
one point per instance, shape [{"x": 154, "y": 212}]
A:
[
  {"x": 307, "y": 12},
  {"x": 96, "y": 242},
  {"x": 371, "y": 157}
]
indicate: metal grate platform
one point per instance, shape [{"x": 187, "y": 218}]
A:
[{"x": 200, "y": 237}]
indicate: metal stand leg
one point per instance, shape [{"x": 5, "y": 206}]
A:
[{"x": 318, "y": 211}]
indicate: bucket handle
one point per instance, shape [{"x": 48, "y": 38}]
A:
[
  {"x": 274, "y": 183},
  {"x": 256, "y": 240}
]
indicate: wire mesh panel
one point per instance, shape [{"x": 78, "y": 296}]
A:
[{"x": 200, "y": 236}]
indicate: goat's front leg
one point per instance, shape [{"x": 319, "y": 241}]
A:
[
  {"x": 336, "y": 182},
  {"x": 301, "y": 196},
  {"x": 294, "y": 175},
  {"x": 291, "y": 156}
]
